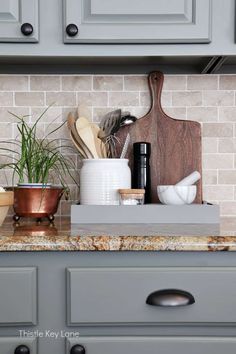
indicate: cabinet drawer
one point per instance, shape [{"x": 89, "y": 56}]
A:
[
  {"x": 118, "y": 295},
  {"x": 8, "y": 345},
  {"x": 154, "y": 345},
  {"x": 18, "y": 296}
]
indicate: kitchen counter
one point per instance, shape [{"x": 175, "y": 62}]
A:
[{"x": 61, "y": 236}]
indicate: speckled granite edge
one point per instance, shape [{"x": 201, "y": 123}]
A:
[{"x": 118, "y": 243}]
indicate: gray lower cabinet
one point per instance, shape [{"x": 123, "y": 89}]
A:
[
  {"x": 14, "y": 345},
  {"x": 18, "y": 296},
  {"x": 149, "y": 21},
  {"x": 152, "y": 345},
  {"x": 19, "y": 21},
  {"x": 100, "y": 303},
  {"x": 118, "y": 295}
]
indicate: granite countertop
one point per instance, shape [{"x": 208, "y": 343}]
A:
[{"x": 61, "y": 236}]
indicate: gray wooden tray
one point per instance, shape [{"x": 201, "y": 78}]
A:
[{"x": 145, "y": 214}]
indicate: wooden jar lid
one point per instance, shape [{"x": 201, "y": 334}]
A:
[{"x": 131, "y": 191}]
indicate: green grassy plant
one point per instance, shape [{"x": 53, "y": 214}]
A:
[{"x": 35, "y": 159}]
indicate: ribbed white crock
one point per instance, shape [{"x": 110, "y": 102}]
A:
[{"x": 101, "y": 178}]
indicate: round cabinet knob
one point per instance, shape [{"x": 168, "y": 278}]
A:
[
  {"x": 22, "y": 349},
  {"x": 77, "y": 349},
  {"x": 27, "y": 29},
  {"x": 72, "y": 30}
]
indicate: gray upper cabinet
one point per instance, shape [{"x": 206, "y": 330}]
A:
[
  {"x": 149, "y": 21},
  {"x": 19, "y": 21}
]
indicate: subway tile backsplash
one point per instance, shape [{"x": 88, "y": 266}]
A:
[{"x": 207, "y": 99}]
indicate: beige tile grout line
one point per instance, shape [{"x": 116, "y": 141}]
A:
[
  {"x": 28, "y": 77},
  {"x": 30, "y": 114},
  {"x": 60, "y": 83},
  {"x": 123, "y": 82},
  {"x": 14, "y": 99}
]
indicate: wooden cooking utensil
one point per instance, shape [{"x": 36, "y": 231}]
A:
[
  {"x": 71, "y": 122},
  {"x": 83, "y": 111},
  {"x": 78, "y": 147},
  {"x": 176, "y": 144},
  {"x": 100, "y": 146},
  {"x": 83, "y": 127},
  {"x": 81, "y": 123}
]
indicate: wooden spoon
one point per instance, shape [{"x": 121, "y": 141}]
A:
[
  {"x": 84, "y": 129},
  {"x": 71, "y": 126},
  {"x": 100, "y": 146},
  {"x": 71, "y": 122},
  {"x": 77, "y": 146},
  {"x": 81, "y": 123},
  {"x": 83, "y": 111}
]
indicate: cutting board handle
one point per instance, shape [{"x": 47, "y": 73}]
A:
[{"x": 155, "y": 80}]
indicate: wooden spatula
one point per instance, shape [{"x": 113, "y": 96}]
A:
[
  {"x": 71, "y": 121},
  {"x": 100, "y": 146},
  {"x": 83, "y": 127},
  {"x": 77, "y": 146}
]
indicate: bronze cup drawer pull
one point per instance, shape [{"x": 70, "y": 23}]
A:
[{"x": 170, "y": 298}]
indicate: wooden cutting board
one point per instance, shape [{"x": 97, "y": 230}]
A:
[{"x": 175, "y": 144}]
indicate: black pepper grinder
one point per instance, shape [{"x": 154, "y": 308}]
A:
[{"x": 141, "y": 169}]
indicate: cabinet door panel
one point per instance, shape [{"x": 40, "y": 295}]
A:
[
  {"x": 18, "y": 296},
  {"x": 9, "y": 344},
  {"x": 150, "y": 21},
  {"x": 154, "y": 345},
  {"x": 13, "y": 13}
]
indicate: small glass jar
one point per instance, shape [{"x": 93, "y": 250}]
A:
[{"x": 131, "y": 196}]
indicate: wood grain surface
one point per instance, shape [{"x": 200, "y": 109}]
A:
[{"x": 175, "y": 143}]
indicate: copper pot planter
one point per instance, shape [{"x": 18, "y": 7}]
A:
[{"x": 36, "y": 202}]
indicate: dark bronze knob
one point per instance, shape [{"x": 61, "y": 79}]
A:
[
  {"x": 72, "y": 30},
  {"x": 77, "y": 349},
  {"x": 27, "y": 29},
  {"x": 22, "y": 349}
]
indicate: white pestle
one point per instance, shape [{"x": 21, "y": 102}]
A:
[{"x": 189, "y": 180}]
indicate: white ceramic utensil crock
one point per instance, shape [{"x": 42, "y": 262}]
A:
[{"x": 100, "y": 180}]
